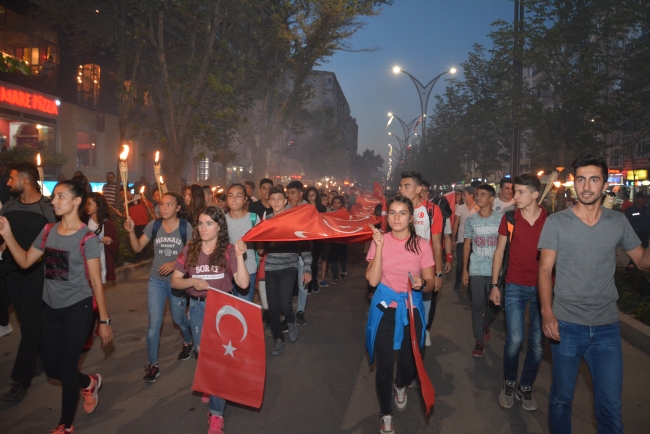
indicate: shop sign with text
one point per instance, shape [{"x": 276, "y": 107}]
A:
[{"x": 28, "y": 100}]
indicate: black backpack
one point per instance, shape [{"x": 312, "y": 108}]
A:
[{"x": 510, "y": 219}]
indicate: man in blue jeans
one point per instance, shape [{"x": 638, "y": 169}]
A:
[
  {"x": 579, "y": 313},
  {"x": 521, "y": 228}
]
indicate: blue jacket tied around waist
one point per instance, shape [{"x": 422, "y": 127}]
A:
[{"x": 387, "y": 295}]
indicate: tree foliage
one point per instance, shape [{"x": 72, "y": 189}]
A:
[{"x": 366, "y": 168}]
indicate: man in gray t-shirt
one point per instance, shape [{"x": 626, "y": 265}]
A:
[{"x": 579, "y": 314}]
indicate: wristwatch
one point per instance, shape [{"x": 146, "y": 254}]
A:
[
  {"x": 438, "y": 274},
  {"x": 494, "y": 285},
  {"x": 107, "y": 322}
]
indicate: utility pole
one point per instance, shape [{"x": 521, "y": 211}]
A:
[{"x": 515, "y": 149}]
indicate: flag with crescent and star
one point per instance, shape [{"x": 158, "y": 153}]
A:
[
  {"x": 304, "y": 222},
  {"x": 426, "y": 387},
  {"x": 232, "y": 364}
]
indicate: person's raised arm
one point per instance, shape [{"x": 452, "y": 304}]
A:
[
  {"x": 136, "y": 244},
  {"x": 373, "y": 272},
  {"x": 24, "y": 259},
  {"x": 242, "y": 278},
  {"x": 497, "y": 261},
  {"x": 550, "y": 325}
]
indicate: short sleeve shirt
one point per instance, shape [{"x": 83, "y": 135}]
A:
[
  {"x": 65, "y": 273},
  {"x": 484, "y": 232},
  {"x": 500, "y": 206},
  {"x": 463, "y": 212},
  {"x": 216, "y": 277},
  {"x": 396, "y": 261},
  {"x": 523, "y": 262},
  {"x": 424, "y": 226},
  {"x": 585, "y": 292},
  {"x": 237, "y": 228},
  {"x": 166, "y": 247}
]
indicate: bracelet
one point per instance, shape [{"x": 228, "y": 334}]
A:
[
  {"x": 449, "y": 258},
  {"x": 107, "y": 322}
]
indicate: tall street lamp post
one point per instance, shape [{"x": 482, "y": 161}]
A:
[{"x": 423, "y": 92}]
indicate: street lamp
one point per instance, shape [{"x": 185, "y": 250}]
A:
[
  {"x": 423, "y": 92},
  {"x": 405, "y": 127}
]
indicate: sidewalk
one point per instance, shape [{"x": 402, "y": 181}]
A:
[{"x": 321, "y": 384}]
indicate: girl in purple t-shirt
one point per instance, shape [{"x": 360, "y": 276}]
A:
[{"x": 210, "y": 261}]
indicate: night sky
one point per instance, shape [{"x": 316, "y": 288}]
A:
[{"x": 425, "y": 38}]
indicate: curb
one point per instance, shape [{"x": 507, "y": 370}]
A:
[
  {"x": 635, "y": 332},
  {"x": 125, "y": 272}
]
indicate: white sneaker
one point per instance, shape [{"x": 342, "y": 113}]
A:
[
  {"x": 427, "y": 340},
  {"x": 400, "y": 398},
  {"x": 386, "y": 425},
  {"x": 5, "y": 330}
]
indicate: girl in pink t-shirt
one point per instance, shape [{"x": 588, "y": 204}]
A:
[
  {"x": 391, "y": 257},
  {"x": 208, "y": 259}
]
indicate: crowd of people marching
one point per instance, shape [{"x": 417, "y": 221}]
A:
[{"x": 58, "y": 252}]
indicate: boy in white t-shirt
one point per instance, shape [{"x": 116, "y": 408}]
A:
[
  {"x": 462, "y": 212},
  {"x": 505, "y": 200}
]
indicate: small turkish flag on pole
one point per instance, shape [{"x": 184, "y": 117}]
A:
[
  {"x": 232, "y": 364},
  {"x": 428, "y": 393}
]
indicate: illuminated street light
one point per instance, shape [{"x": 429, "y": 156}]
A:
[{"x": 424, "y": 92}]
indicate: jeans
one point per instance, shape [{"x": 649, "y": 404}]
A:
[
  {"x": 483, "y": 310},
  {"x": 25, "y": 291},
  {"x": 601, "y": 348},
  {"x": 279, "y": 293},
  {"x": 316, "y": 251},
  {"x": 248, "y": 296},
  {"x": 195, "y": 318},
  {"x": 459, "y": 263},
  {"x": 302, "y": 291},
  {"x": 385, "y": 356},
  {"x": 63, "y": 336},
  {"x": 516, "y": 298},
  {"x": 158, "y": 292}
]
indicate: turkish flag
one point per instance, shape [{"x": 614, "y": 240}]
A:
[
  {"x": 304, "y": 222},
  {"x": 232, "y": 364},
  {"x": 451, "y": 198},
  {"x": 428, "y": 393}
]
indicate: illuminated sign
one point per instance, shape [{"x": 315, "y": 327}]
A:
[
  {"x": 638, "y": 175},
  {"x": 28, "y": 100}
]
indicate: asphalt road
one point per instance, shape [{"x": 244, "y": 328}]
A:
[{"x": 320, "y": 384}]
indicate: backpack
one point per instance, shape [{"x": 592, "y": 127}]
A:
[
  {"x": 510, "y": 222},
  {"x": 82, "y": 244},
  {"x": 430, "y": 206},
  {"x": 182, "y": 227}
]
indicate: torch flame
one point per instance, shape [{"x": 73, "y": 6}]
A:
[
  {"x": 124, "y": 153},
  {"x": 142, "y": 189},
  {"x": 213, "y": 189},
  {"x": 157, "y": 155},
  {"x": 161, "y": 180},
  {"x": 38, "y": 159}
]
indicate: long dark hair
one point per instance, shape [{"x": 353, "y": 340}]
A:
[
  {"x": 305, "y": 195},
  {"x": 218, "y": 256},
  {"x": 181, "y": 213},
  {"x": 197, "y": 203},
  {"x": 103, "y": 210},
  {"x": 412, "y": 244}
]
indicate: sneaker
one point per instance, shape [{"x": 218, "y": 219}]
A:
[
  {"x": 300, "y": 318},
  {"x": 61, "y": 429},
  {"x": 186, "y": 351},
  {"x": 343, "y": 274},
  {"x": 486, "y": 333},
  {"x": 278, "y": 347},
  {"x": 386, "y": 425},
  {"x": 414, "y": 384},
  {"x": 205, "y": 398},
  {"x": 16, "y": 393},
  {"x": 400, "y": 398},
  {"x": 38, "y": 368},
  {"x": 478, "y": 350},
  {"x": 427, "y": 339},
  {"x": 91, "y": 394},
  {"x": 335, "y": 281},
  {"x": 152, "y": 373},
  {"x": 285, "y": 327},
  {"x": 5, "y": 330},
  {"x": 293, "y": 332},
  {"x": 506, "y": 397},
  {"x": 323, "y": 284},
  {"x": 524, "y": 394},
  {"x": 316, "y": 289},
  {"x": 216, "y": 424}
]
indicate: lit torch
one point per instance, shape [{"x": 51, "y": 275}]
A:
[
  {"x": 161, "y": 186},
  {"x": 143, "y": 199},
  {"x": 41, "y": 175},
  {"x": 551, "y": 179},
  {"x": 124, "y": 173},
  {"x": 156, "y": 171}
]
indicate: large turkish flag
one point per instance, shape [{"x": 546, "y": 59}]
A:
[
  {"x": 232, "y": 362},
  {"x": 304, "y": 222}
]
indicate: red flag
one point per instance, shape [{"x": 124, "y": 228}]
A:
[
  {"x": 232, "y": 365},
  {"x": 428, "y": 393},
  {"x": 304, "y": 222},
  {"x": 451, "y": 198},
  {"x": 379, "y": 194}
]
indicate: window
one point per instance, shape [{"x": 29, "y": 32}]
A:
[
  {"x": 616, "y": 159},
  {"x": 643, "y": 148},
  {"x": 86, "y": 150},
  {"x": 203, "y": 169},
  {"x": 88, "y": 84}
]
